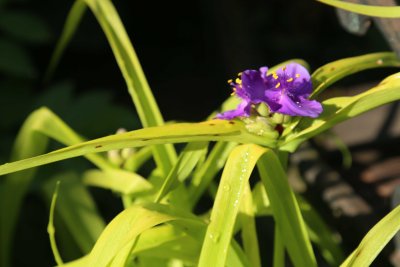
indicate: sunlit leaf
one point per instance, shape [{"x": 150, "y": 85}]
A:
[
  {"x": 120, "y": 181},
  {"x": 339, "y": 109},
  {"x": 236, "y": 173},
  {"x": 183, "y": 132},
  {"x": 329, "y": 73},
  {"x": 286, "y": 211},
  {"x": 369, "y": 10},
  {"x": 375, "y": 240}
]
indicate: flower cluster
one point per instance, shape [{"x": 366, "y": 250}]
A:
[{"x": 285, "y": 91}]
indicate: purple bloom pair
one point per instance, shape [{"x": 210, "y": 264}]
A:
[{"x": 285, "y": 91}]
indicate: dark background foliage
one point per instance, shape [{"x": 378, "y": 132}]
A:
[{"x": 187, "y": 49}]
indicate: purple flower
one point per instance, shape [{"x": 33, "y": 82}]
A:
[{"x": 285, "y": 91}]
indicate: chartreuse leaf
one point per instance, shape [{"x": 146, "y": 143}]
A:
[
  {"x": 28, "y": 143},
  {"x": 317, "y": 229},
  {"x": 279, "y": 249},
  {"x": 123, "y": 182},
  {"x": 182, "y": 132},
  {"x": 135, "y": 161},
  {"x": 329, "y": 73},
  {"x": 368, "y": 10},
  {"x": 262, "y": 206},
  {"x": 339, "y": 109},
  {"x": 286, "y": 211},
  {"x": 207, "y": 171},
  {"x": 135, "y": 79},
  {"x": 234, "y": 178},
  {"x": 128, "y": 225},
  {"x": 51, "y": 229},
  {"x": 248, "y": 225},
  {"x": 76, "y": 209},
  {"x": 31, "y": 140},
  {"x": 71, "y": 24},
  {"x": 375, "y": 240},
  {"x": 187, "y": 161},
  {"x": 320, "y": 233}
]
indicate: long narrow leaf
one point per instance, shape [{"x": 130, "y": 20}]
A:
[
  {"x": 375, "y": 240},
  {"x": 343, "y": 108},
  {"x": 214, "y": 163},
  {"x": 135, "y": 79},
  {"x": 368, "y": 10},
  {"x": 249, "y": 232},
  {"x": 127, "y": 226},
  {"x": 183, "y": 132},
  {"x": 236, "y": 173},
  {"x": 286, "y": 211},
  {"x": 76, "y": 209},
  {"x": 183, "y": 167},
  {"x": 123, "y": 182},
  {"x": 31, "y": 140},
  {"x": 73, "y": 19},
  {"x": 329, "y": 73},
  {"x": 51, "y": 229}
]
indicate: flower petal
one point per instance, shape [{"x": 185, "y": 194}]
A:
[
  {"x": 242, "y": 110},
  {"x": 295, "y": 79},
  {"x": 272, "y": 98},
  {"x": 254, "y": 85},
  {"x": 300, "y": 107}
]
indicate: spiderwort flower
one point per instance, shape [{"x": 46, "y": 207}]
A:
[
  {"x": 291, "y": 91},
  {"x": 285, "y": 91}
]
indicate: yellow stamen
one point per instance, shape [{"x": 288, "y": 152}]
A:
[
  {"x": 230, "y": 81},
  {"x": 284, "y": 68},
  {"x": 274, "y": 75},
  {"x": 277, "y": 85},
  {"x": 289, "y": 80},
  {"x": 297, "y": 75},
  {"x": 239, "y": 74},
  {"x": 234, "y": 91},
  {"x": 238, "y": 81}
]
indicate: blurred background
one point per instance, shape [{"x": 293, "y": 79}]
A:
[{"x": 188, "y": 51}]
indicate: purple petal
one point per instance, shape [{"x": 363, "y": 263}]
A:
[
  {"x": 300, "y": 107},
  {"x": 292, "y": 69},
  {"x": 242, "y": 110},
  {"x": 295, "y": 79},
  {"x": 254, "y": 86},
  {"x": 272, "y": 98}
]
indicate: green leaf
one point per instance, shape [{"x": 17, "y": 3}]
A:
[
  {"x": 183, "y": 167},
  {"x": 51, "y": 229},
  {"x": 31, "y": 140},
  {"x": 123, "y": 182},
  {"x": 368, "y": 10},
  {"x": 25, "y": 26},
  {"x": 342, "y": 108},
  {"x": 320, "y": 233},
  {"x": 207, "y": 171},
  {"x": 182, "y": 132},
  {"x": 262, "y": 206},
  {"x": 73, "y": 19},
  {"x": 286, "y": 211},
  {"x": 236, "y": 173},
  {"x": 15, "y": 61},
  {"x": 77, "y": 210},
  {"x": 248, "y": 225},
  {"x": 329, "y": 73},
  {"x": 135, "y": 79},
  {"x": 375, "y": 240},
  {"x": 127, "y": 226}
]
